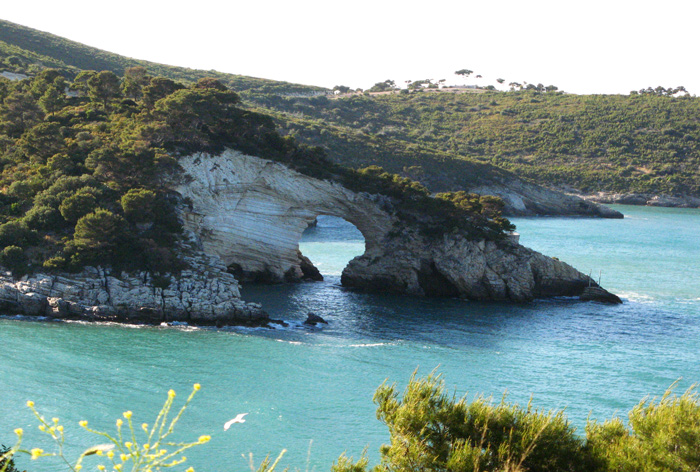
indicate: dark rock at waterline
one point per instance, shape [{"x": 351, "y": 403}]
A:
[
  {"x": 312, "y": 319},
  {"x": 308, "y": 268},
  {"x": 599, "y": 294}
]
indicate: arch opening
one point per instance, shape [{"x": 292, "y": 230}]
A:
[{"x": 328, "y": 245}]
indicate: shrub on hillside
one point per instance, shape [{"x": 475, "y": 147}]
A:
[
  {"x": 43, "y": 217},
  {"x": 13, "y": 258},
  {"x": 77, "y": 205}
]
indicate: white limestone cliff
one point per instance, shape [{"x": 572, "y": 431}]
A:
[{"x": 251, "y": 212}]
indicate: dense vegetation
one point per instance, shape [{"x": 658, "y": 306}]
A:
[
  {"x": 83, "y": 175},
  {"x": 647, "y": 143},
  {"x": 431, "y": 430}
]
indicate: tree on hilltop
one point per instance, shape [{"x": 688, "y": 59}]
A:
[
  {"x": 464, "y": 72},
  {"x": 385, "y": 86}
]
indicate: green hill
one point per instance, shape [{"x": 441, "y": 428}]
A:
[
  {"x": 28, "y": 51},
  {"x": 643, "y": 143}
]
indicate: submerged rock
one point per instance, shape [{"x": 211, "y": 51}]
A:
[
  {"x": 599, "y": 294},
  {"x": 312, "y": 319}
]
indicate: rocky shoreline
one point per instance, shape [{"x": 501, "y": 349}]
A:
[
  {"x": 644, "y": 199},
  {"x": 204, "y": 295}
]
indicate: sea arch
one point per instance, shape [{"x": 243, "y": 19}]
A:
[{"x": 251, "y": 212}]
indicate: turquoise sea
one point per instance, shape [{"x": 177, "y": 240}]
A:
[{"x": 310, "y": 390}]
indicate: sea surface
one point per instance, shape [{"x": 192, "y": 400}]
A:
[{"x": 310, "y": 390}]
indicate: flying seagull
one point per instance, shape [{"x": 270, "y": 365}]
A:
[{"x": 237, "y": 419}]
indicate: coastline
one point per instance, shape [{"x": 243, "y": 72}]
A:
[{"x": 643, "y": 199}]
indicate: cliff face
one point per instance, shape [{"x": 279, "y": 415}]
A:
[
  {"x": 528, "y": 199},
  {"x": 457, "y": 267},
  {"x": 204, "y": 295},
  {"x": 251, "y": 213}
]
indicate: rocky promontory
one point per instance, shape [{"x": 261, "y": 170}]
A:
[
  {"x": 251, "y": 212},
  {"x": 243, "y": 217}
]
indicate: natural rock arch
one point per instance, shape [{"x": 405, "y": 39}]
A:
[{"x": 252, "y": 212}]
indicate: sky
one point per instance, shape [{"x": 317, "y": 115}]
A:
[{"x": 611, "y": 46}]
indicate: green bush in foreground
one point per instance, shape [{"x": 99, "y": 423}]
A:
[{"x": 431, "y": 430}]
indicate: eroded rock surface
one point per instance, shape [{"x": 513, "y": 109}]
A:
[
  {"x": 204, "y": 295},
  {"x": 251, "y": 212},
  {"x": 458, "y": 267},
  {"x": 528, "y": 199},
  {"x": 677, "y": 201}
]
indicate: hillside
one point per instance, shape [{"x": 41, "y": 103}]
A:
[
  {"x": 83, "y": 175},
  {"x": 504, "y": 143},
  {"x": 642, "y": 143},
  {"x": 28, "y": 51}
]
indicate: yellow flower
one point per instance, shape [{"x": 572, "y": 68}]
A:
[
  {"x": 123, "y": 457},
  {"x": 117, "y": 467},
  {"x": 190, "y": 470},
  {"x": 99, "y": 452},
  {"x": 128, "y": 445},
  {"x": 30, "y": 404},
  {"x": 171, "y": 393},
  {"x": 59, "y": 428},
  {"x": 127, "y": 414},
  {"x": 119, "y": 423},
  {"x": 110, "y": 454},
  {"x": 83, "y": 423},
  {"x": 204, "y": 438},
  {"x": 55, "y": 420},
  {"x": 19, "y": 431},
  {"x": 42, "y": 427},
  {"x": 147, "y": 446},
  {"x": 145, "y": 427},
  {"x": 36, "y": 453},
  {"x": 197, "y": 387},
  {"x": 100, "y": 467},
  {"x": 78, "y": 467}
]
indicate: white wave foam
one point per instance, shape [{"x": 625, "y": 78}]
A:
[
  {"x": 371, "y": 344},
  {"x": 637, "y": 297}
]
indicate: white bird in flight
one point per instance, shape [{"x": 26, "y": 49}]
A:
[{"x": 237, "y": 419}]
